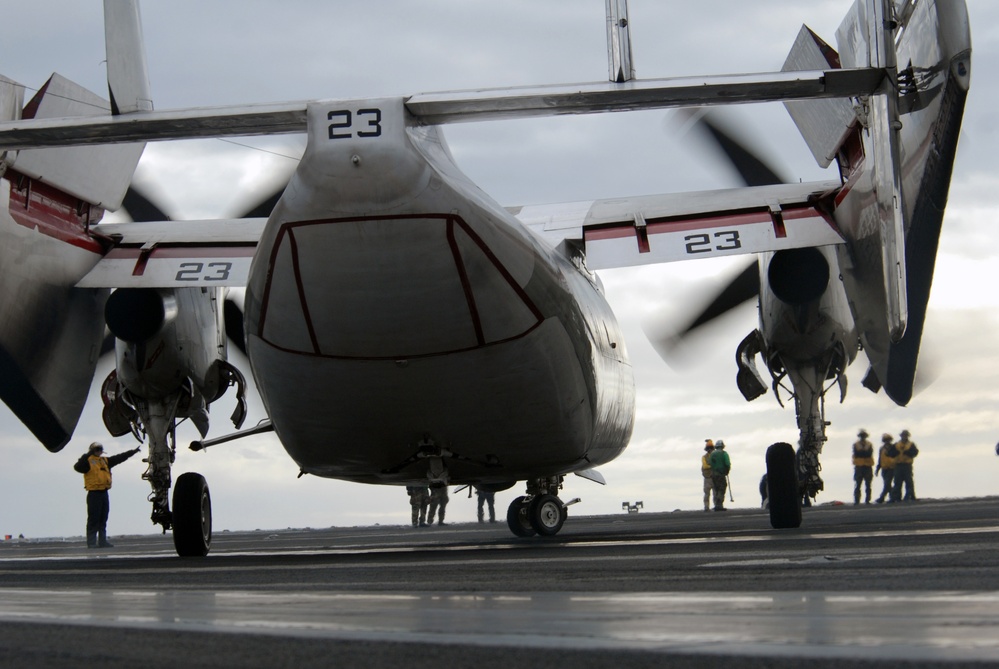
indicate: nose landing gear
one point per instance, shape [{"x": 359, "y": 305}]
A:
[{"x": 540, "y": 512}]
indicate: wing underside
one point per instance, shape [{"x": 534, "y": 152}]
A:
[
  {"x": 176, "y": 254},
  {"x": 623, "y": 232}
]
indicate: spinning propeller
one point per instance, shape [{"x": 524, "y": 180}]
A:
[{"x": 745, "y": 285}]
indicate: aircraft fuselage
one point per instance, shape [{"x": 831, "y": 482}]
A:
[{"x": 391, "y": 302}]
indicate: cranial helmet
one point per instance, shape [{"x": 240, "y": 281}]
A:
[
  {"x": 886, "y": 437},
  {"x": 719, "y": 444},
  {"x": 862, "y": 434},
  {"x": 904, "y": 434},
  {"x": 96, "y": 446}
]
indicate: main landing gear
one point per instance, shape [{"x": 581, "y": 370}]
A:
[
  {"x": 783, "y": 489},
  {"x": 540, "y": 511},
  {"x": 192, "y": 516}
]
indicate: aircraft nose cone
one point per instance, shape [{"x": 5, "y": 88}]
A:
[{"x": 389, "y": 288}]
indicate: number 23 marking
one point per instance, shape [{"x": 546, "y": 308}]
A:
[
  {"x": 193, "y": 271},
  {"x": 701, "y": 243},
  {"x": 370, "y": 121}
]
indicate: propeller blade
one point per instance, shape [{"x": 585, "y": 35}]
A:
[
  {"x": 743, "y": 287},
  {"x": 753, "y": 170},
  {"x": 141, "y": 208},
  {"x": 264, "y": 208}
]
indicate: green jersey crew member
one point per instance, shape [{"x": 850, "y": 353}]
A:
[
  {"x": 96, "y": 470},
  {"x": 721, "y": 464}
]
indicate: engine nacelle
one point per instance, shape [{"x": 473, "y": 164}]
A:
[
  {"x": 798, "y": 276},
  {"x": 136, "y": 315}
]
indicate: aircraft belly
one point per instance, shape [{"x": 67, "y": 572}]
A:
[{"x": 357, "y": 418}]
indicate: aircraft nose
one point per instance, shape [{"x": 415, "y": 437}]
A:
[{"x": 388, "y": 287}]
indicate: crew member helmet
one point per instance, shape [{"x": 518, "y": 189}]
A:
[
  {"x": 96, "y": 446},
  {"x": 904, "y": 434},
  {"x": 862, "y": 434},
  {"x": 719, "y": 444},
  {"x": 886, "y": 437}
]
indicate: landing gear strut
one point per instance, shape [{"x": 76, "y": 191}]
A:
[{"x": 539, "y": 512}]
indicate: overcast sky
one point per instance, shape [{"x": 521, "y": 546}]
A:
[{"x": 225, "y": 53}]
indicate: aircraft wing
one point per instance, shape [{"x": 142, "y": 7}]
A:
[
  {"x": 623, "y": 232},
  {"x": 176, "y": 253},
  {"x": 453, "y": 107}
]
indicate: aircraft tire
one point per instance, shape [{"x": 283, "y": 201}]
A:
[
  {"x": 518, "y": 519},
  {"x": 547, "y": 514},
  {"x": 782, "y": 487},
  {"x": 192, "y": 516}
]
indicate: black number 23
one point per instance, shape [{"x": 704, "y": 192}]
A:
[
  {"x": 368, "y": 123},
  {"x": 701, "y": 242}
]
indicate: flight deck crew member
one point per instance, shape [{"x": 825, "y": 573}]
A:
[
  {"x": 886, "y": 465},
  {"x": 863, "y": 466},
  {"x": 486, "y": 498},
  {"x": 419, "y": 499},
  {"x": 721, "y": 464},
  {"x": 96, "y": 470},
  {"x": 709, "y": 484},
  {"x": 903, "y": 469},
  {"x": 438, "y": 502}
]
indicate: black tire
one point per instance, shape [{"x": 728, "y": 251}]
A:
[
  {"x": 192, "y": 516},
  {"x": 782, "y": 487},
  {"x": 547, "y": 514},
  {"x": 518, "y": 519}
]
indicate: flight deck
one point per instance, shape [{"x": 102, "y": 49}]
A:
[{"x": 879, "y": 584}]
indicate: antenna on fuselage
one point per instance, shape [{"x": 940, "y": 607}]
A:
[{"x": 619, "y": 42}]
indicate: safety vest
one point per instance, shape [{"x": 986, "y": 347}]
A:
[
  {"x": 705, "y": 466},
  {"x": 885, "y": 461},
  {"x": 863, "y": 454},
  {"x": 906, "y": 452},
  {"x": 98, "y": 477}
]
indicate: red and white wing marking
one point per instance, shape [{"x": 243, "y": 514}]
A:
[
  {"x": 667, "y": 228},
  {"x": 177, "y": 253}
]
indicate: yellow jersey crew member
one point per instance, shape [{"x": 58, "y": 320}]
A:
[
  {"x": 863, "y": 466},
  {"x": 709, "y": 485},
  {"x": 907, "y": 451},
  {"x": 96, "y": 470},
  {"x": 886, "y": 466}
]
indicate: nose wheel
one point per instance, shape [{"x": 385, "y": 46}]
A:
[
  {"x": 547, "y": 515},
  {"x": 541, "y": 515}
]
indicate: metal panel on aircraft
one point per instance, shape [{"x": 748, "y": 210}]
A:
[
  {"x": 824, "y": 124},
  {"x": 717, "y": 235},
  {"x": 72, "y": 169}
]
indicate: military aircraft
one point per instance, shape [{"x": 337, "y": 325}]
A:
[{"x": 404, "y": 328}]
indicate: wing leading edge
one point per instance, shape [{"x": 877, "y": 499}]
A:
[{"x": 454, "y": 107}]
